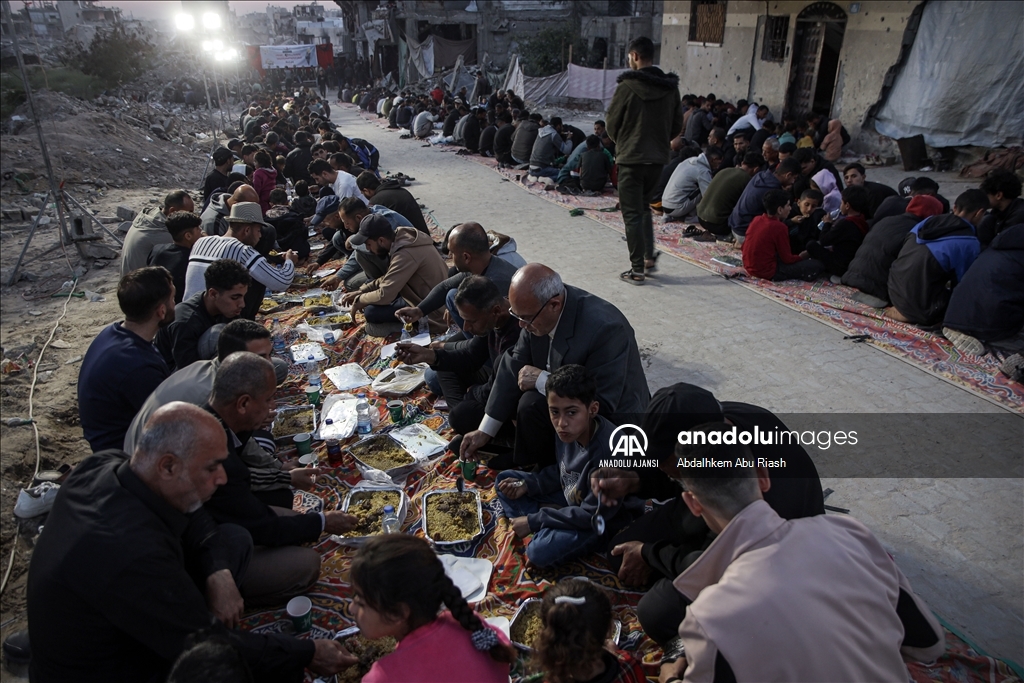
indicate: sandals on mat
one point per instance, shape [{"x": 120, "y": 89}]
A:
[
  {"x": 632, "y": 277},
  {"x": 691, "y": 231}
]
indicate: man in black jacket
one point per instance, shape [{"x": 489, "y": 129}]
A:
[
  {"x": 562, "y": 325},
  {"x": 297, "y": 162},
  {"x": 242, "y": 399},
  {"x": 130, "y": 564},
  {"x": 466, "y": 368},
  {"x": 987, "y": 307},
  {"x": 1003, "y": 190},
  {"x": 869, "y": 269},
  {"x": 226, "y": 282},
  {"x": 391, "y": 195},
  {"x": 658, "y": 546}
]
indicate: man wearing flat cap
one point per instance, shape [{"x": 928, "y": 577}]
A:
[{"x": 245, "y": 223}]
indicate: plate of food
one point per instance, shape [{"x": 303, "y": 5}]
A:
[
  {"x": 317, "y": 300},
  {"x": 526, "y": 624},
  {"x": 381, "y": 452},
  {"x": 451, "y": 518},
  {"x": 368, "y": 651},
  {"x": 367, "y": 501},
  {"x": 330, "y": 318},
  {"x": 292, "y": 420}
]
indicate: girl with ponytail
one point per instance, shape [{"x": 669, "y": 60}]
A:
[
  {"x": 575, "y": 643},
  {"x": 399, "y": 586}
]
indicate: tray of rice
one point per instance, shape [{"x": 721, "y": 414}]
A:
[
  {"x": 368, "y": 651},
  {"x": 292, "y": 420},
  {"x": 526, "y": 624},
  {"x": 366, "y": 501},
  {"x": 330, "y": 318},
  {"x": 381, "y": 452},
  {"x": 451, "y": 518},
  {"x": 317, "y": 300}
]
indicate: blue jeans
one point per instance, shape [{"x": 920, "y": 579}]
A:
[
  {"x": 430, "y": 376},
  {"x": 384, "y": 314},
  {"x": 548, "y": 546},
  {"x": 545, "y": 172}
]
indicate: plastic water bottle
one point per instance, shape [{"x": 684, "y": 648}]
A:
[
  {"x": 279, "y": 345},
  {"x": 363, "y": 425},
  {"x": 313, "y": 372},
  {"x": 390, "y": 522}
]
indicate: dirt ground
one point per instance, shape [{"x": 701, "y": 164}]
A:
[{"x": 28, "y": 312}]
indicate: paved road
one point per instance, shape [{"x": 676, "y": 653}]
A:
[{"x": 958, "y": 540}]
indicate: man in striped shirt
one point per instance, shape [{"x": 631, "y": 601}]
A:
[{"x": 244, "y": 228}]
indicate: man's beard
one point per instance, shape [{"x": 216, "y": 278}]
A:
[{"x": 168, "y": 317}]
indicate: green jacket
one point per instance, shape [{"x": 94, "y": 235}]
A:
[{"x": 644, "y": 116}]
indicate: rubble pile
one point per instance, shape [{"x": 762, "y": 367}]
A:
[{"x": 108, "y": 142}]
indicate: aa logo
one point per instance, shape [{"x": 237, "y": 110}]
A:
[{"x": 628, "y": 441}]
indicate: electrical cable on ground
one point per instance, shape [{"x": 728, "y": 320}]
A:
[{"x": 35, "y": 427}]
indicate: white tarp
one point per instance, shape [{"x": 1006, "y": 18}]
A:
[
  {"x": 962, "y": 83},
  {"x": 593, "y": 84},
  {"x": 421, "y": 58},
  {"x": 287, "y": 56}
]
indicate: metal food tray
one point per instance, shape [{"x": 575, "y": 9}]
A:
[
  {"x": 394, "y": 472},
  {"x": 403, "y": 510},
  {"x": 616, "y": 626},
  {"x": 515, "y": 618},
  {"x": 292, "y": 409},
  {"x": 449, "y": 544}
]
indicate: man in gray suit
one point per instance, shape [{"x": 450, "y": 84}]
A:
[{"x": 561, "y": 325}]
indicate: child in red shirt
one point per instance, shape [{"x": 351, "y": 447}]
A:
[
  {"x": 399, "y": 586},
  {"x": 575, "y": 644},
  {"x": 766, "y": 252}
]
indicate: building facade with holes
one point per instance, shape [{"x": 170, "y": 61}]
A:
[{"x": 795, "y": 57}]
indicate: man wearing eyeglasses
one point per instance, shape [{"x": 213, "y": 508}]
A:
[{"x": 560, "y": 325}]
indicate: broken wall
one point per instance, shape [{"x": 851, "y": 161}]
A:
[{"x": 735, "y": 70}]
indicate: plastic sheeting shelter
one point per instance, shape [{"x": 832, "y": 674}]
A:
[
  {"x": 963, "y": 82},
  {"x": 576, "y": 82}
]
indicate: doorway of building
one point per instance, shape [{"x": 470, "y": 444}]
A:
[{"x": 816, "y": 46}]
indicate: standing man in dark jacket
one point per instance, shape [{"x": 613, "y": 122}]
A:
[
  {"x": 297, "y": 161},
  {"x": 642, "y": 119},
  {"x": 391, "y": 195}
]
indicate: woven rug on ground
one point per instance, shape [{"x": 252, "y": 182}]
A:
[
  {"x": 822, "y": 300},
  {"x": 512, "y": 581}
]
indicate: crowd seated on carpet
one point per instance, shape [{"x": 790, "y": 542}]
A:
[{"x": 182, "y": 518}]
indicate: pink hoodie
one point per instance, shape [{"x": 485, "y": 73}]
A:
[{"x": 440, "y": 652}]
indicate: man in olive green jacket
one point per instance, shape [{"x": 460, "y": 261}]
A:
[{"x": 642, "y": 119}]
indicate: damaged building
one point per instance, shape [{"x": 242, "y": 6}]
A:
[{"x": 891, "y": 66}]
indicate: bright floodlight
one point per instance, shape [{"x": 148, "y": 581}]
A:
[
  {"x": 207, "y": 45},
  {"x": 211, "y": 20},
  {"x": 185, "y": 22}
]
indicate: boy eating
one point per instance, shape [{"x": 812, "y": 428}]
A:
[
  {"x": 803, "y": 227},
  {"x": 766, "y": 252},
  {"x": 840, "y": 240},
  {"x": 556, "y": 504}
]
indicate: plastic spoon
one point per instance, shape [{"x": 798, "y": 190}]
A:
[{"x": 597, "y": 521}]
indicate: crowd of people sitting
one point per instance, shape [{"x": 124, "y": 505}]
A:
[{"x": 182, "y": 517}]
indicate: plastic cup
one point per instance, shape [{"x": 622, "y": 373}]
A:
[
  {"x": 468, "y": 470},
  {"x": 303, "y": 443},
  {"x": 312, "y": 394},
  {"x": 300, "y": 610},
  {"x": 397, "y": 410},
  {"x": 308, "y": 460}
]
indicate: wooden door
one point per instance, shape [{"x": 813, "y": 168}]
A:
[{"x": 810, "y": 38}]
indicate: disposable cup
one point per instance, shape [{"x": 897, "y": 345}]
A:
[
  {"x": 397, "y": 410},
  {"x": 303, "y": 443},
  {"x": 300, "y": 610}
]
